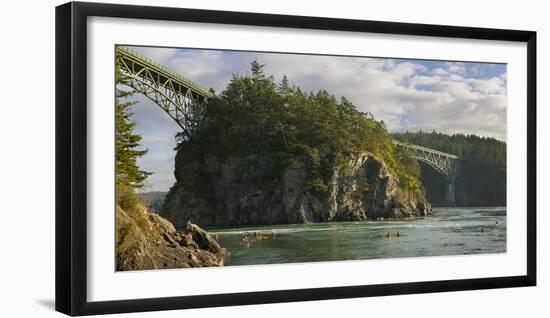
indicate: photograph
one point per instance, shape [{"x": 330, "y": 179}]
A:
[{"x": 234, "y": 158}]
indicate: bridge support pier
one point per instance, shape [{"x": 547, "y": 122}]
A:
[{"x": 451, "y": 193}]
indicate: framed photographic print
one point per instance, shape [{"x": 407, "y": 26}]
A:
[{"x": 209, "y": 158}]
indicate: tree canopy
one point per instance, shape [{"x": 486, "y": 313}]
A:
[{"x": 257, "y": 116}]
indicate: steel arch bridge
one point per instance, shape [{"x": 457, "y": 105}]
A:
[
  {"x": 445, "y": 164},
  {"x": 185, "y": 102},
  {"x": 181, "y": 98}
]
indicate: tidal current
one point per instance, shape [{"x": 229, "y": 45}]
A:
[{"x": 449, "y": 231}]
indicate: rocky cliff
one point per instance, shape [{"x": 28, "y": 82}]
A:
[
  {"x": 147, "y": 241},
  {"x": 243, "y": 191}
]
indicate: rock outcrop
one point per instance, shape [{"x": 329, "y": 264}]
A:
[
  {"x": 147, "y": 241},
  {"x": 241, "y": 191}
]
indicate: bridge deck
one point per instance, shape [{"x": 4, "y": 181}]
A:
[
  {"x": 162, "y": 70},
  {"x": 399, "y": 143}
]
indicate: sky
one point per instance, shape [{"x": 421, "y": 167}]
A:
[{"x": 408, "y": 95}]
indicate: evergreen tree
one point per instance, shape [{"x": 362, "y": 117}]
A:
[
  {"x": 127, "y": 142},
  {"x": 256, "y": 69}
]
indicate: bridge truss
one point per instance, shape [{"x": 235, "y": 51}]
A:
[
  {"x": 181, "y": 98},
  {"x": 445, "y": 164}
]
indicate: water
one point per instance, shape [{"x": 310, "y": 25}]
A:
[{"x": 449, "y": 231}]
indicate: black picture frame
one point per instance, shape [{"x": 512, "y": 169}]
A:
[{"x": 71, "y": 157}]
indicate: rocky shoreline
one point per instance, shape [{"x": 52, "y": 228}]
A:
[{"x": 147, "y": 241}]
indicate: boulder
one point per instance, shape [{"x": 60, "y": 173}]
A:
[{"x": 148, "y": 241}]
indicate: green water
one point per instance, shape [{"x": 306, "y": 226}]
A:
[{"x": 449, "y": 231}]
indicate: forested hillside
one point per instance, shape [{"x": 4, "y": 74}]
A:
[
  {"x": 266, "y": 128},
  {"x": 257, "y": 116},
  {"x": 482, "y": 178}
]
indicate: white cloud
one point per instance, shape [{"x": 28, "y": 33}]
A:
[
  {"x": 456, "y": 67},
  {"x": 159, "y": 55},
  {"x": 455, "y": 78},
  {"x": 494, "y": 85},
  {"x": 440, "y": 71},
  {"x": 458, "y": 90},
  {"x": 419, "y": 80}
]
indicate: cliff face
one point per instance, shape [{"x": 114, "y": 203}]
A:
[
  {"x": 148, "y": 241},
  {"x": 241, "y": 191}
]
